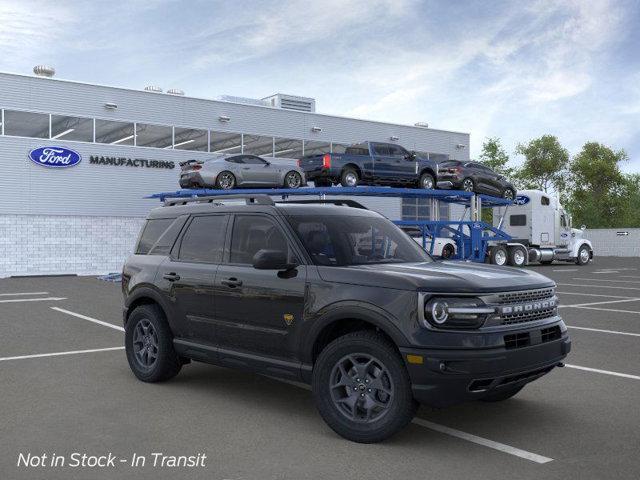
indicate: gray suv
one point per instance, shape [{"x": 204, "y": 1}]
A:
[{"x": 337, "y": 297}]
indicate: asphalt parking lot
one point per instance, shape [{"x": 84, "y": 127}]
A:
[{"x": 66, "y": 387}]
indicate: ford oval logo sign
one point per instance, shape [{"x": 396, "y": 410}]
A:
[
  {"x": 56, "y": 157},
  {"x": 521, "y": 200}
]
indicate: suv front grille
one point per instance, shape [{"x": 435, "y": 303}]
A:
[{"x": 528, "y": 305}]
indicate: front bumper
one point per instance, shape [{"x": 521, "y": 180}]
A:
[{"x": 450, "y": 376}]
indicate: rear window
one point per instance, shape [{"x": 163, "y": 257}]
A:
[
  {"x": 151, "y": 233},
  {"x": 357, "y": 150},
  {"x": 517, "y": 220}
]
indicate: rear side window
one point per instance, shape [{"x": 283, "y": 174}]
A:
[
  {"x": 167, "y": 239},
  {"x": 151, "y": 233},
  {"x": 204, "y": 239},
  {"x": 252, "y": 233},
  {"x": 357, "y": 150},
  {"x": 517, "y": 220}
]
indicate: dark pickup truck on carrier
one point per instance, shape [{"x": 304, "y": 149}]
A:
[
  {"x": 337, "y": 297},
  {"x": 371, "y": 163}
]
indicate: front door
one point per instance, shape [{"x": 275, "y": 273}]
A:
[
  {"x": 257, "y": 171},
  {"x": 257, "y": 309},
  {"x": 189, "y": 275}
]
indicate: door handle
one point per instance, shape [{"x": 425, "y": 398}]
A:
[
  {"x": 231, "y": 282},
  {"x": 172, "y": 277},
  {"x": 246, "y": 168}
]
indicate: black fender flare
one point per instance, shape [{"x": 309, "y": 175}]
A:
[
  {"x": 353, "y": 311},
  {"x": 145, "y": 292}
]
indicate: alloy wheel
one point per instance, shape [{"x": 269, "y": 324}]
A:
[
  {"x": 467, "y": 185},
  {"x": 361, "y": 388},
  {"x": 293, "y": 180},
  {"x": 226, "y": 181},
  {"x": 427, "y": 182},
  {"x": 508, "y": 194},
  {"x": 351, "y": 179},
  {"x": 584, "y": 255},
  {"x": 145, "y": 343}
]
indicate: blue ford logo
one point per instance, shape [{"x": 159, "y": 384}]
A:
[
  {"x": 521, "y": 200},
  {"x": 56, "y": 157}
]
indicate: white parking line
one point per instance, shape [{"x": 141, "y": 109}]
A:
[
  {"x": 605, "y": 272},
  {"x": 43, "y": 299},
  {"x": 534, "y": 457},
  {"x": 57, "y": 354},
  {"x": 599, "y": 330},
  {"x": 565, "y": 270},
  {"x": 610, "y": 310},
  {"x": 596, "y": 286},
  {"x": 606, "y": 372},
  {"x": 89, "y": 319},
  {"x": 592, "y": 294},
  {"x": 597, "y": 303},
  {"x": 22, "y": 293},
  {"x": 605, "y": 280}
]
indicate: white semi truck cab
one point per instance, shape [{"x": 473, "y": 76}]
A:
[{"x": 541, "y": 231}]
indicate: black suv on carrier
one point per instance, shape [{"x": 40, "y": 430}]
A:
[{"x": 337, "y": 297}]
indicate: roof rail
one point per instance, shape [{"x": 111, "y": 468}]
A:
[
  {"x": 259, "y": 199},
  {"x": 338, "y": 202}
]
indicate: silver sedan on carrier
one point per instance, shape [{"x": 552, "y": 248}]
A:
[{"x": 241, "y": 170}]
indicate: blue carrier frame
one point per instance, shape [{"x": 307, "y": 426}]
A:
[{"x": 471, "y": 237}]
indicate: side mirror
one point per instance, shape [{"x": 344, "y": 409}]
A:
[
  {"x": 272, "y": 260},
  {"x": 583, "y": 227},
  {"x": 410, "y": 156}
]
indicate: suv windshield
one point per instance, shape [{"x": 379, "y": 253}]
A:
[{"x": 355, "y": 240}]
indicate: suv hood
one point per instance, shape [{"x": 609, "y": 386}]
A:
[{"x": 444, "y": 276}]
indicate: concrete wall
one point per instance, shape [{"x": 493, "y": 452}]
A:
[{"x": 607, "y": 242}]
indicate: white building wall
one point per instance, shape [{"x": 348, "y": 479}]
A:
[{"x": 612, "y": 242}]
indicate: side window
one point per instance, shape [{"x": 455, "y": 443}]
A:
[
  {"x": 253, "y": 160},
  {"x": 563, "y": 221},
  {"x": 151, "y": 233},
  {"x": 517, "y": 220},
  {"x": 252, "y": 233},
  {"x": 396, "y": 151},
  {"x": 381, "y": 149},
  {"x": 204, "y": 239},
  {"x": 544, "y": 200},
  {"x": 238, "y": 159},
  {"x": 167, "y": 239}
]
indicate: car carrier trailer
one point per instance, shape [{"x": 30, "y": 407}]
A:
[{"x": 474, "y": 239}]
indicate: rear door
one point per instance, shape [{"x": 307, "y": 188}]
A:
[
  {"x": 257, "y": 309},
  {"x": 188, "y": 275},
  {"x": 382, "y": 162}
]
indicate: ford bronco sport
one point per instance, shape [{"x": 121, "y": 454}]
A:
[{"x": 337, "y": 297}]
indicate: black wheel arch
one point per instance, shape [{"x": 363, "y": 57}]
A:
[
  {"x": 355, "y": 167},
  {"x": 145, "y": 295}
]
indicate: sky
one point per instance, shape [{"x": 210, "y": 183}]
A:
[{"x": 514, "y": 70}]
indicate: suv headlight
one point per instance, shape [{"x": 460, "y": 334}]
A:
[{"x": 455, "y": 312}]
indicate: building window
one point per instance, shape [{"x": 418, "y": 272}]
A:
[
  {"x": 157, "y": 136},
  {"x": 287, "y": 148},
  {"x": 258, "y": 145},
  {"x": 71, "y": 128},
  {"x": 114, "y": 133},
  {"x": 316, "y": 148},
  {"x": 26, "y": 124},
  {"x": 224, "y": 142},
  {"x": 190, "y": 139}
]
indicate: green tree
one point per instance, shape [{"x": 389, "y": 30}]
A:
[
  {"x": 599, "y": 192},
  {"x": 545, "y": 164},
  {"x": 495, "y": 157}
]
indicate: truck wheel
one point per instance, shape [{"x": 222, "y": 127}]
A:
[
  {"x": 448, "y": 251},
  {"x": 499, "y": 255},
  {"x": 149, "y": 345},
  {"x": 349, "y": 178},
  {"x": 584, "y": 255},
  {"x": 508, "y": 194},
  {"x": 427, "y": 181},
  {"x": 517, "y": 257},
  {"x": 362, "y": 388},
  {"x": 501, "y": 395}
]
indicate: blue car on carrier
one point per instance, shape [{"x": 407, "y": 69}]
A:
[{"x": 371, "y": 163}]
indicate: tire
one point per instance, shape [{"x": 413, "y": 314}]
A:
[
  {"x": 501, "y": 395},
  {"x": 508, "y": 194},
  {"x": 349, "y": 178},
  {"x": 584, "y": 255},
  {"x": 517, "y": 257},
  {"x": 322, "y": 182},
  {"x": 149, "y": 320},
  {"x": 389, "y": 408},
  {"x": 292, "y": 180},
  {"x": 427, "y": 182},
  {"x": 468, "y": 185},
  {"x": 225, "y": 180},
  {"x": 499, "y": 256},
  {"x": 448, "y": 251}
]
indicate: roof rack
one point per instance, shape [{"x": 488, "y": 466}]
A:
[
  {"x": 259, "y": 199},
  {"x": 339, "y": 202}
]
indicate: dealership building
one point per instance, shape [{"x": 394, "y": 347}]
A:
[{"x": 85, "y": 218}]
